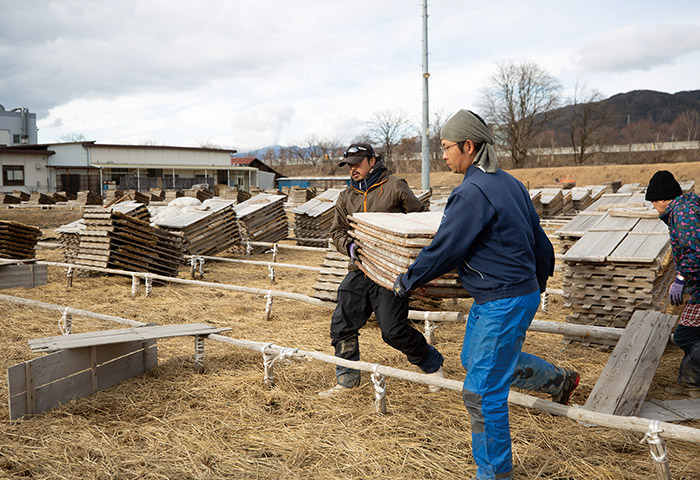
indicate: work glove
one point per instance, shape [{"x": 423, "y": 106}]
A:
[
  {"x": 675, "y": 293},
  {"x": 399, "y": 289},
  {"x": 352, "y": 251}
]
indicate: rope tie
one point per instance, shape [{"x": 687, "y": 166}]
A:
[
  {"x": 201, "y": 266},
  {"x": 653, "y": 439},
  {"x": 269, "y": 360},
  {"x": 271, "y": 273},
  {"x": 134, "y": 285},
  {"x": 379, "y": 382},
  {"x": 199, "y": 352},
  {"x": 544, "y": 301},
  {"x": 148, "y": 281},
  {"x": 274, "y": 252},
  {"x": 65, "y": 323},
  {"x": 248, "y": 249},
  {"x": 430, "y": 327}
]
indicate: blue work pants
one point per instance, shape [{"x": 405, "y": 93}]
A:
[{"x": 491, "y": 354}]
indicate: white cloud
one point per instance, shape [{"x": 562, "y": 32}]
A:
[{"x": 638, "y": 48}]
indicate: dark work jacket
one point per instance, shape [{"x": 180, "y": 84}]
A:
[
  {"x": 491, "y": 232},
  {"x": 389, "y": 193}
]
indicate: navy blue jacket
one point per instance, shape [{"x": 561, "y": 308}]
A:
[{"x": 491, "y": 232}]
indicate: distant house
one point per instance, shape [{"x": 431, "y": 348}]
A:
[
  {"x": 267, "y": 177},
  {"x": 25, "y": 170}
]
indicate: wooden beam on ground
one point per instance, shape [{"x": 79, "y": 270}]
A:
[{"x": 623, "y": 385}]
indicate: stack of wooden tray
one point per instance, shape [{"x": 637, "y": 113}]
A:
[
  {"x": 313, "y": 219},
  {"x": 114, "y": 240},
  {"x": 424, "y": 197},
  {"x": 18, "y": 240},
  {"x": 8, "y": 198},
  {"x": 133, "y": 209},
  {"x": 390, "y": 242},
  {"x": 207, "y": 232},
  {"x": 262, "y": 219},
  {"x": 619, "y": 265},
  {"x": 38, "y": 198},
  {"x": 552, "y": 202},
  {"x": 334, "y": 270},
  {"x": 535, "y": 195},
  {"x": 89, "y": 197},
  {"x": 69, "y": 237}
]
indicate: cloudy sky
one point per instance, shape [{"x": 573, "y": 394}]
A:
[{"x": 246, "y": 74}]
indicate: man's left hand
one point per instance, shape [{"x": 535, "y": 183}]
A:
[{"x": 399, "y": 289}]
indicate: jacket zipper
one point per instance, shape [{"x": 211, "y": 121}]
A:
[{"x": 473, "y": 269}]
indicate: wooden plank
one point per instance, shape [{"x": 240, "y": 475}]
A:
[
  {"x": 136, "y": 363},
  {"x": 671, "y": 410},
  {"x": 120, "y": 335},
  {"x": 624, "y": 382},
  {"x": 594, "y": 246},
  {"x": 641, "y": 247},
  {"x": 45, "y": 382}
]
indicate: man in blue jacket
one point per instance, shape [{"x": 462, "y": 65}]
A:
[{"x": 490, "y": 231}]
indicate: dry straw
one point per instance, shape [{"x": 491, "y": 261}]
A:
[{"x": 174, "y": 423}]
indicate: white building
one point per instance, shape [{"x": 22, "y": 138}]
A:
[
  {"x": 78, "y": 166},
  {"x": 24, "y": 169},
  {"x": 17, "y": 126}
]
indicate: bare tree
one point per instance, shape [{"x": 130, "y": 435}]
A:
[
  {"x": 587, "y": 119},
  {"x": 332, "y": 148},
  {"x": 687, "y": 124},
  {"x": 438, "y": 121},
  {"x": 387, "y": 128},
  {"x": 207, "y": 144},
  {"x": 519, "y": 99},
  {"x": 71, "y": 137}
]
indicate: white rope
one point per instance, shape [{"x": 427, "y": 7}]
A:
[
  {"x": 65, "y": 323},
  {"x": 134, "y": 285},
  {"x": 430, "y": 327},
  {"x": 148, "y": 281},
  {"x": 271, "y": 273},
  {"x": 379, "y": 382},
  {"x": 274, "y": 252},
  {"x": 652, "y": 438},
  {"x": 544, "y": 301},
  {"x": 248, "y": 248},
  {"x": 69, "y": 276},
  {"x": 199, "y": 352},
  {"x": 269, "y": 361},
  {"x": 201, "y": 266}
]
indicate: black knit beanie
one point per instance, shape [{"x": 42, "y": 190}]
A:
[{"x": 663, "y": 186}]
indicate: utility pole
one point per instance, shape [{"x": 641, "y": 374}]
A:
[{"x": 425, "y": 138}]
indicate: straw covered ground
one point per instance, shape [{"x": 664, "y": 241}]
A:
[{"x": 174, "y": 423}]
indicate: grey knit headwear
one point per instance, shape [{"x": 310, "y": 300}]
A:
[{"x": 464, "y": 125}]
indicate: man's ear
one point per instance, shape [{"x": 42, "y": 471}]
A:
[{"x": 372, "y": 161}]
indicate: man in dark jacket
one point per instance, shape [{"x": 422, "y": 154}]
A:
[
  {"x": 490, "y": 231},
  {"x": 372, "y": 189}
]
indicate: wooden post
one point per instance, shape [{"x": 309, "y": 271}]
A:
[
  {"x": 268, "y": 305},
  {"x": 274, "y": 252},
  {"x": 69, "y": 277},
  {"x": 271, "y": 271}
]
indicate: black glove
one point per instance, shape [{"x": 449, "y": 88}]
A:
[{"x": 399, "y": 289}]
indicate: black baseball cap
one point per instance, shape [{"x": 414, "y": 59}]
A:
[{"x": 355, "y": 153}]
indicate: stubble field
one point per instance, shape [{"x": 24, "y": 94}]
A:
[{"x": 174, "y": 423}]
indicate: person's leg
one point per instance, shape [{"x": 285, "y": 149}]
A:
[
  {"x": 688, "y": 338},
  {"x": 392, "y": 317},
  {"x": 493, "y": 339},
  {"x": 350, "y": 314}
]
